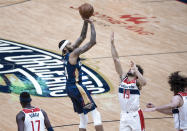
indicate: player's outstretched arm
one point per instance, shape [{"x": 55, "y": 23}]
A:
[
  {"x": 151, "y": 107},
  {"x": 166, "y": 109},
  {"x": 20, "y": 121},
  {"x": 82, "y": 36},
  {"x": 46, "y": 121},
  {"x": 75, "y": 54},
  {"x": 116, "y": 57}
]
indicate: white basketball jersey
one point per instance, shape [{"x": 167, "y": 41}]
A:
[
  {"x": 180, "y": 118},
  {"x": 129, "y": 95},
  {"x": 34, "y": 120}
]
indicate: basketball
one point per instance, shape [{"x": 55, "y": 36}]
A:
[{"x": 86, "y": 10}]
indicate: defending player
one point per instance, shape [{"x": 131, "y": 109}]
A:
[
  {"x": 129, "y": 92},
  {"x": 31, "y": 118},
  {"x": 81, "y": 98},
  {"x": 178, "y": 104}
]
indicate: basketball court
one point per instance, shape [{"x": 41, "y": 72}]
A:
[{"x": 152, "y": 33}]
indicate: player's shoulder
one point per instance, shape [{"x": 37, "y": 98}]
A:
[
  {"x": 177, "y": 97},
  {"x": 42, "y": 110},
  {"x": 44, "y": 113},
  {"x": 20, "y": 115}
]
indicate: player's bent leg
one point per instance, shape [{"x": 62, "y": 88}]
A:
[
  {"x": 87, "y": 102},
  {"x": 97, "y": 120},
  {"x": 83, "y": 122},
  {"x": 83, "y": 94}
]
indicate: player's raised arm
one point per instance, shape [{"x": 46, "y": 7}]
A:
[
  {"x": 82, "y": 36},
  {"x": 75, "y": 54},
  {"x": 90, "y": 44},
  {"x": 116, "y": 57}
]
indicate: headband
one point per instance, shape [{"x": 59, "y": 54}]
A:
[{"x": 64, "y": 44}]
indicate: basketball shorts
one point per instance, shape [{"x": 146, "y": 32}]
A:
[
  {"x": 77, "y": 99},
  {"x": 132, "y": 121}
]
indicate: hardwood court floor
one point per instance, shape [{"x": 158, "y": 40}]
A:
[{"x": 153, "y": 33}]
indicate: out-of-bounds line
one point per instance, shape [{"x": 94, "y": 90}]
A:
[
  {"x": 164, "y": 53},
  {"x": 110, "y": 121},
  {"x": 14, "y": 3}
]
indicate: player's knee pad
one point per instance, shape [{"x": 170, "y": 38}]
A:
[
  {"x": 96, "y": 117},
  {"x": 83, "y": 121}
]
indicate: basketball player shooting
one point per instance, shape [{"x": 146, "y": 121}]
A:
[
  {"x": 78, "y": 93},
  {"x": 31, "y": 118},
  {"x": 178, "y": 104},
  {"x": 129, "y": 92}
]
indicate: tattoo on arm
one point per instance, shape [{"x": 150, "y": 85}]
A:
[
  {"x": 82, "y": 36},
  {"x": 84, "y": 30},
  {"x": 89, "y": 45}
]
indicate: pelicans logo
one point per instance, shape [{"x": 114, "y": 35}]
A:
[{"x": 40, "y": 72}]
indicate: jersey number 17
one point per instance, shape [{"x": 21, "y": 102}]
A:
[{"x": 33, "y": 123}]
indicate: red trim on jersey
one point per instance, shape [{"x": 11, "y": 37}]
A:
[
  {"x": 182, "y": 93},
  {"x": 32, "y": 125},
  {"x": 180, "y": 130},
  {"x": 31, "y": 110},
  {"x": 38, "y": 124},
  {"x": 141, "y": 120},
  {"x": 129, "y": 82}
]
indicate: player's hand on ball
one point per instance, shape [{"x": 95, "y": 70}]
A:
[{"x": 86, "y": 10}]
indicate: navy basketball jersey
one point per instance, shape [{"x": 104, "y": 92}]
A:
[
  {"x": 73, "y": 72},
  {"x": 82, "y": 101}
]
